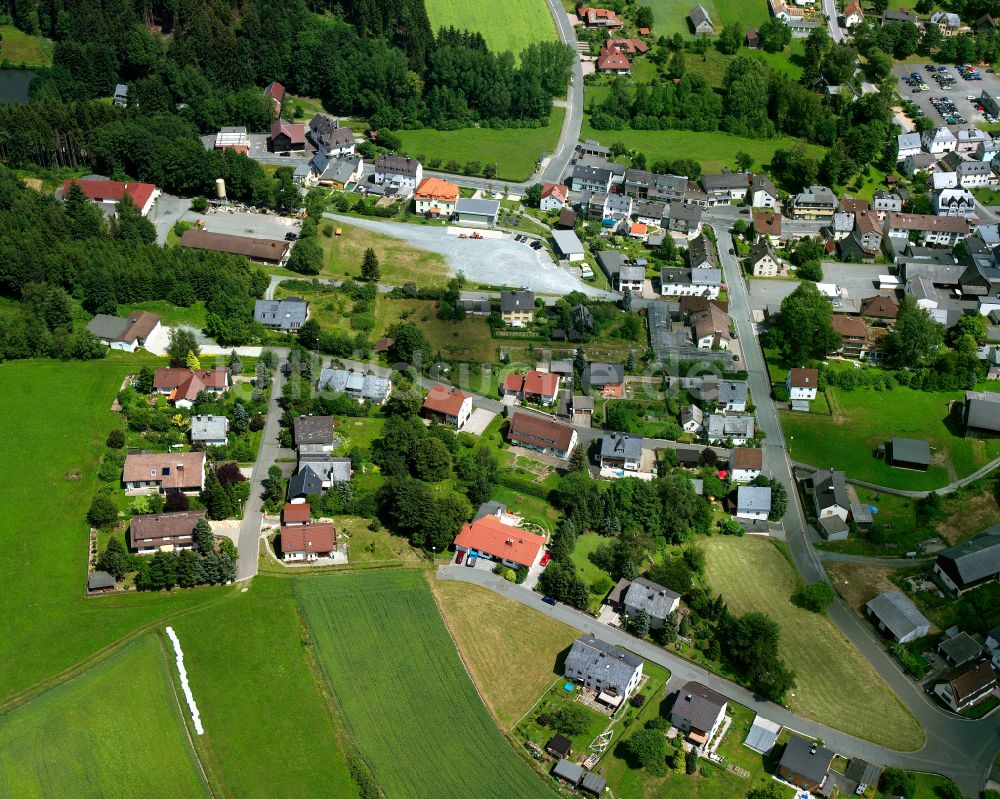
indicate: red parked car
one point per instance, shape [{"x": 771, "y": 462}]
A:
[
  {"x": 545, "y": 560},
  {"x": 459, "y": 555}
]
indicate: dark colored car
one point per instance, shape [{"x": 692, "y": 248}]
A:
[
  {"x": 459, "y": 555},
  {"x": 549, "y": 600}
]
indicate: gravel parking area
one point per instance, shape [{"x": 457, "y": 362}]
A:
[
  {"x": 246, "y": 223},
  {"x": 958, "y": 93}
]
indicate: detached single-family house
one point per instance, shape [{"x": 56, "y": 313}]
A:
[
  {"x": 701, "y": 23},
  {"x": 853, "y": 334},
  {"x": 608, "y": 378},
  {"x": 405, "y": 174},
  {"x": 657, "y": 601},
  {"x": 897, "y": 617},
  {"x": 802, "y": 385},
  {"x": 698, "y": 711},
  {"x": 908, "y": 144},
  {"x": 448, "y": 405},
  {"x": 329, "y": 137},
  {"x": 767, "y": 226},
  {"x": 492, "y": 538},
  {"x": 967, "y": 686},
  {"x": 829, "y": 492},
  {"x": 210, "y": 431},
  {"x": 971, "y": 563},
  {"x": 692, "y": 419},
  {"x": 598, "y": 18},
  {"x": 745, "y": 464},
  {"x": 613, "y": 61},
  {"x": 710, "y": 329},
  {"x": 541, "y": 388},
  {"x": 612, "y": 673},
  {"x": 682, "y": 217},
  {"x": 853, "y": 15},
  {"x": 762, "y": 192},
  {"x": 362, "y": 387},
  {"x": 126, "y": 333},
  {"x": 805, "y": 764},
  {"x": 554, "y": 197},
  {"x": 149, "y": 533},
  {"x": 816, "y": 202},
  {"x": 308, "y": 542},
  {"x": 731, "y": 396},
  {"x": 541, "y": 434},
  {"x": 517, "y": 308},
  {"x": 275, "y": 92},
  {"x": 181, "y": 386},
  {"x": 981, "y": 413},
  {"x": 620, "y": 451},
  {"x": 287, "y": 315},
  {"x": 946, "y": 22},
  {"x": 182, "y": 472},
  {"x": 738, "y": 429},
  {"x": 435, "y": 197},
  {"x": 313, "y": 434},
  {"x": 954, "y": 202},
  {"x": 316, "y": 475},
  {"x": 753, "y": 502},
  {"x": 938, "y": 140},
  {"x": 764, "y": 261},
  {"x": 477, "y": 212},
  {"x": 287, "y": 136}
]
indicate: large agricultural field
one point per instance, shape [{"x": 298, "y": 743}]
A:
[
  {"x": 713, "y": 150},
  {"x": 402, "y": 691},
  {"x": 523, "y": 21},
  {"x": 497, "y": 637},
  {"x": 100, "y": 735},
  {"x": 862, "y": 419},
  {"x": 752, "y": 574},
  {"x": 514, "y": 150}
]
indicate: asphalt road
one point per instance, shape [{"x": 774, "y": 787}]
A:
[
  {"x": 833, "y": 21},
  {"x": 554, "y": 168},
  {"x": 959, "y": 748},
  {"x": 253, "y": 513}
]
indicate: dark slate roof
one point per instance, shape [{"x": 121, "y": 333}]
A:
[
  {"x": 108, "y": 327},
  {"x": 286, "y": 314},
  {"x": 488, "y": 508},
  {"x": 621, "y": 445},
  {"x": 312, "y": 430},
  {"x": 304, "y": 483},
  {"x": 960, "y": 648},
  {"x": 310, "y": 477},
  {"x": 831, "y": 489},
  {"x": 732, "y": 391},
  {"x": 897, "y": 613},
  {"x": 603, "y": 374},
  {"x": 862, "y": 772},
  {"x": 701, "y": 706},
  {"x": 701, "y": 251},
  {"x": 568, "y": 770},
  {"x": 911, "y": 450},
  {"x": 517, "y": 300},
  {"x": 100, "y": 580},
  {"x": 560, "y": 744},
  {"x": 593, "y": 783},
  {"x": 803, "y": 757},
  {"x": 594, "y": 658},
  {"x": 397, "y": 165},
  {"x": 646, "y": 595}
]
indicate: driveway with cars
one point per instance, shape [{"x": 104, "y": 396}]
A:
[{"x": 956, "y": 92}]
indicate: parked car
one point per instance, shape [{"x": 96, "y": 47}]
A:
[
  {"x": 459, "y": 555},
  {"x": 550, "y": 600},
  {"x": 471, "y": 560},
  {"x": 545, "y": 559}
]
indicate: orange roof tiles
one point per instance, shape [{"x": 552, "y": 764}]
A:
[{"x": 490, "y": 536}]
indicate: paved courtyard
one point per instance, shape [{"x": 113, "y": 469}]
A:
[
  {"x": 478, "y": 421},
  {"x": 857, "y": 281}
]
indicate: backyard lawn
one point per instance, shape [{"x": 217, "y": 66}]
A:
[
  {"x": 19, "y": 48},
  {"x": 402, "y": 690},
  {"x": 753, "y": 575},
  {"x": 515, "y": 151},
  {"x": 497, "y": 637},
  {"x": 713, "y": 150},
  {"x": 114, "y": 731},
  {"x": 251, "y": 677},
  {"x": 535, "y": 510},
  {"x": 170, "y": 314},
  {"x": 670, "y": 16},
  {"x": 862, "y": 419},
  {"x": 523, "y": 22},
  {"x": 400, "y": 262}
]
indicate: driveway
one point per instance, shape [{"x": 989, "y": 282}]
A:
[
  {"x": 479, "y": 421},
  {"x": 165, "y": 213}
]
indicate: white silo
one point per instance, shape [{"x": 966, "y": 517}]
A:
[{"x": 220, "y": 188}]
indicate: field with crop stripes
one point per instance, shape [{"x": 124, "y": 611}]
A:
[{"x": 403, "y": 693}]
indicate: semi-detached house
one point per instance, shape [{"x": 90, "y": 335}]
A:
[
  {"x": 158, "y": 473},
  {"x": 726, "y": 187},
  {"x": 542, "y": 434}
]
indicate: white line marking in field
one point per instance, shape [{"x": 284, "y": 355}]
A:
[{"x": 195, "y": 715}]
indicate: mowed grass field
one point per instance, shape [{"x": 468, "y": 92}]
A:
[
  {"x": 19, "y": 47},
  {"x": 116, "y": 731},
  {"x": 512, "y": 26},
  {"x": 498, "y": 637},
  {"x": 56, "y": 419},
  {"x": 862, "y": 419},
  {"x": 752, "y": 574},
  {"x": 400, "y": 262},
  {"x": 670, "y": 16},
  {"x": 403, "y": 692},
  {"x": 713, "y": 150},
  {"x": 268, "y": 729},
  {"x": 514, "y": 150}
]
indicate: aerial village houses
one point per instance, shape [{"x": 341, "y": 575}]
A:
[
  {"x": 517, "y": 308},
  {"x": 403, "y": 174},
  {"x": 698, "y": 711},
  {"x": 266, "y": 251},
  {"x": 640, "y": 595},
  {"x": 969, "y": 564},
  {"x": 745, "y": 464},
  {"x": 150, "y": 533},
  {"x": 316, "y": 473},
  {"x": 805, "y": 764},
  {"x": 620, "y": 451},
  {"x": 106, "y": 194},
  {"x": 897, "y": 617},
  {"x": 435, "y": 197},
  {"x": 554, "y": 197},
  {"x": 753, "y": 502},
  {"x": 181, "y": 386},
  {"x": 329, "y": 138},
  {"x": 126, "y": 333},
  {"x": 313, "y": 434},
  {"x": 448, "y": 405},
  {"x": 967, "y": 686},
  {"x": 491, "y": 538},
  {"x": 209, "y": 431},
  {"x": 286, "y": 315},
  {"x": 286, "y": 136},
  {"x": 275, "y": 92},
  {"x": 308, "y": 542},
  {"x": 542, "y": 434}
]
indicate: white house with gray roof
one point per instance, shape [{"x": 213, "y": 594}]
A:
[
  {"x": 315, "y": 476},
  {"x": 287, "y": 315},
  {"x": 732, "y": 396},
  {"x": 210, "y": 431},
  {"x": 620, "y": 451},
  {"x": 403, "y": 173},
  {"x": 753, "y": 502},
  {"x": 657, "y": 601},
  {"x": 829, "y": 491},
  {"x": 477, "y": 212},
  {"x": 738, "y": 429},
  {"x": 897, "y": 617},
  {"x": 908, "y": 144},
  {"x": 971, "y": 563},
  {"x": 357, "y": 385},
  {"x": 726, "y": 187},
  {"x": 612, "y": 673}
]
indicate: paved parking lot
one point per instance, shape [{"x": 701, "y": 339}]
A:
[
  {"x": 856, "y": 281},
  {"x": 962, "y": 88}
]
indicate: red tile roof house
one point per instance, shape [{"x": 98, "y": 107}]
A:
[
  {"x": 308, "y": 541},
  {"x": 512, "y": 386},
  {"x": 106, "y": 194},
  {"x": 613, "y": 61},
  {"x": 287, "y": 135},
  {"x": 488, "y": 537},
  {"x": 181, "y": 385},
  {"x": 599, "y": 17},
  {"x": 182, "y": 472},
  {"x": 295, "y": 514},
  {"x": 163, "y": 532},
  {"x": 448, "y": 405},
  {"x": 275, "y": 92},
  {"x": 554, "y": 196},
  {"x": 542, "y": 388},
  {"x": 542, "y": 434}
]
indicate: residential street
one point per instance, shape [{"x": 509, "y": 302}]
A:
[{"x": 833, "y": 21}]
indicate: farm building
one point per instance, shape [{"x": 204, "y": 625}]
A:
[
  {"x": 265, "y": 251},
  {"x": 897, "y": 617},
  {"x": 981, "y": 413},
  {"x": 910, "y": 453},
  {"x": 970, "y": 563},
  {"x": 568, "y": 245}
]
